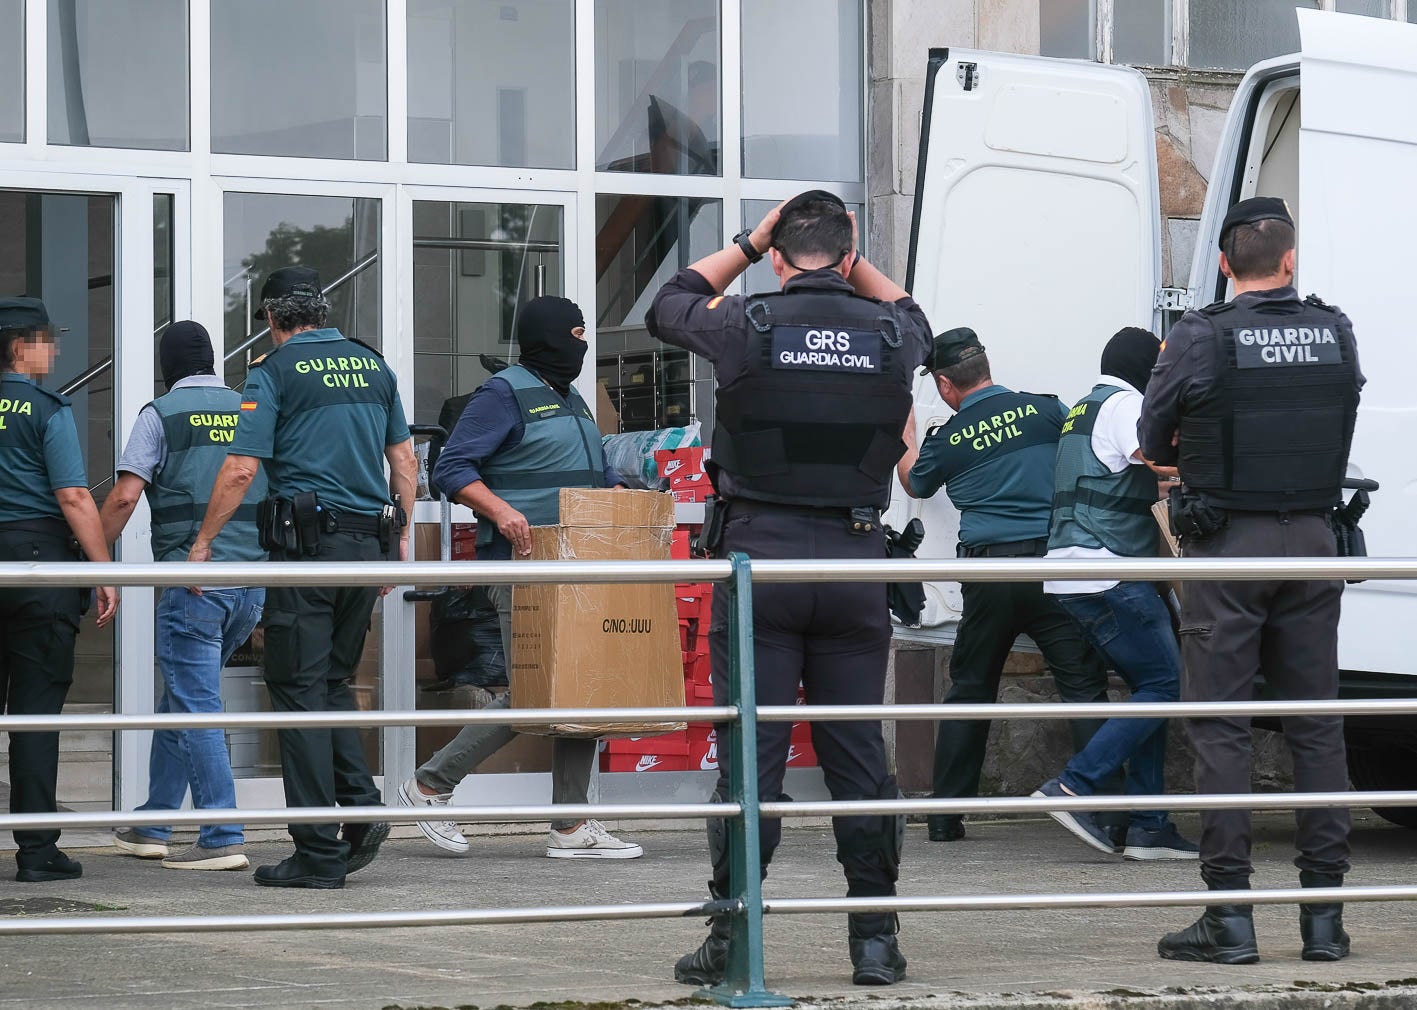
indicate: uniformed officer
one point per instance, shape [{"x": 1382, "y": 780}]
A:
[
  {"x": 814, "y": 388},
  {"x": 46, "y": 514},
  {"x": 177, "y": 445},
  {"x": 525, "y": 434},
  {"x": 994, "y": 457},
  {"x": 322, "y": 412},
  {"x": 1255, "y": 400}
]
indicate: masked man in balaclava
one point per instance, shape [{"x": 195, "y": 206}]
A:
[
  {"x": 1102, "y": 496},
  {"x": 524, "y": 435},
  {"x": 178, "y": 444}
]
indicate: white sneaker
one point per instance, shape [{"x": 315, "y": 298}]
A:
[
  {"x": 444, "y": 834},
  {"x": 130, "y": 842},
  {"x": 590, "y": 841}
]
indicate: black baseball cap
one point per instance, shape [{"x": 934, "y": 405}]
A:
[
  {"x": 303, "y": 282},
  {"x": 1259, "y": 208},
  {"x": 23, "y": 314},
  {"x": 952, "y": 347}
]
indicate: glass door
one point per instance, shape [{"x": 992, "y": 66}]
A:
[{"x": 478, "y": 258}]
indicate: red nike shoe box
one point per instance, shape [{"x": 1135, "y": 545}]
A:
[
  {"x": 679, "y": 544},
  {"x": 700, "y": 671},
  {"x": 614, "y": 762},
  {"x": 692, "y": 495},
  {"x": 680, "y": 462},
  {"x": 801, "y": 732},
  {"x": 667, "y": 744},
  {"x": 801, "y": 755},
  {"x": 703, "y": 747}
]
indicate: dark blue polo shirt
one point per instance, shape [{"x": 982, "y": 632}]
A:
[{"x": 995, "y": 458}]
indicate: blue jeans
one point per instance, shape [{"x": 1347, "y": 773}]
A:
[
  {"x": 1131, "y": 626},
  {"x": 196, "y": 636}
]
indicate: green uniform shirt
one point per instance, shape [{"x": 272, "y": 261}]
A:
[
  {"x": 994, "y": 458},
  {"x": 320, "y": 410},
  {"x": 39, "y": 450}
]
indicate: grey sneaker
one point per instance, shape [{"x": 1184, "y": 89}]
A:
[
  {"x": 130, "y": 842},
  {"x": 222, "y": 857}
]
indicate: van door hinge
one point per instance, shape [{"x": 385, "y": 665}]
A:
[
  {"x": 1174, "y": 300},
  {"x": 968, "y": 75}
]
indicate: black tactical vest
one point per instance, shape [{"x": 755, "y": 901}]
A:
[
  {"x": 815, "y": 418},
  {"x": 1274, "y": 431}
]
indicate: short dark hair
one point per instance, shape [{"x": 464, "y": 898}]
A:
[
  {"x": 1257, "y": 249},
  {"x": 818, "y": 229},
  {"x": 12, "y": 336},
  {"x": 968, "y": 373},
  {"x": 290, "y": 313}
]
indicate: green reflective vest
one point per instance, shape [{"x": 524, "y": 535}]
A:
[
  {"x": 561, "y": 448},
  {"x": 198, "y": 423},
  {"x": 1092, "y": 506}
]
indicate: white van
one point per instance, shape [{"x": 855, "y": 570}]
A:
[{"x": 1036, "y": 223}]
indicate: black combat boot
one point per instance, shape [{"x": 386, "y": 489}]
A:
[
  {"x": 875, "y": 956},
  {"x": 945, "y": 827},
  {"x": 706, "y": 965},
  {"x": 1225, "y": 934},
  {"x": 1321, "y": 926}
]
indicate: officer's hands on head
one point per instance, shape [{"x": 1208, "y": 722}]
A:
[{"x": 762, "y": 234}]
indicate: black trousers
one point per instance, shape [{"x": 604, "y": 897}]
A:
[
  {"x": 37, "y": 631},
  {"x": 995, "y": 614},
  {"x": 1288, "y": 632},
  {"x": 834, "y": 639},
  {"x": 314, "y": 637}
]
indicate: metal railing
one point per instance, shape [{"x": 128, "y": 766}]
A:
[{"x": 744, "y": 983}]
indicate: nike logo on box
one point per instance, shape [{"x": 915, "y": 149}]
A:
[
  {"x": 709, "y": 762},
  {"x": 646, "y": 762},
  {"x": 673, "y": 466}
]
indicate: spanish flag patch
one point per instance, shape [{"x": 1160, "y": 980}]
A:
[
  {"x": 248, "y": 404},
  {"x": 714, "y": 303}
]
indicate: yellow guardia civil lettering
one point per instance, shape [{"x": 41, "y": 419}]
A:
[
  {"x": 993, "y": 430},
  {"x": 339, "y": 373},
  {"x": 220, "y": 427},
  {"x": 1077, "y": 412},
  {"x": 8, "y": 406}
]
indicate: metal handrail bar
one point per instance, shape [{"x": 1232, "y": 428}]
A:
[
  {"x": 334, "y": 285},
  {"x": 26, "y": 926},
  {"x": 405, "y": 573},
  {"x": 121, "y": 722},
  {"x": 1085, "y": 899},
  {"x": 530, "y": 813},
  {"x": 695, "y": 811}
]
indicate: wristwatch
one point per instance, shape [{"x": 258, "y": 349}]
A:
[{"x": 743, "y": 241}]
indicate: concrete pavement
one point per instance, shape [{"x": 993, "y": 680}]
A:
[{"x": 967, "y": 959}]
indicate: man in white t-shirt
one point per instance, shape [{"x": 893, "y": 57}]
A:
[{"x": 1103, "y": 493}]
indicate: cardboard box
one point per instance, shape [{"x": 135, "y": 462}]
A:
[
  {"x": 599, "y": 646},
  {"x": 607, "y": 418}
]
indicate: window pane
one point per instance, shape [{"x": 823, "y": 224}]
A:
[
  {"x": 337, "y": 235},
  {"x": 1372, "y": 8},
  {"x": 802, "y": 126},
  {"x": 1065, "y": 28},
  {"x": 1141, "y": 32},
  {"x": 12, "y": 72},
  {"x": 163, "y": 301},
  {"x": 1234, "y": 35},
  {"x": 303, "y": 78},
  {"x": 100, "y": 95},
  {"x": 656, "y": 86},
  {"x": 474, "y": 266},
  {"x": 641, "y": 241},
  {"x": 492, "y": 84}
]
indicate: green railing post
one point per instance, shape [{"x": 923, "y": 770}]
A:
[{"x": 743, "y": 984}]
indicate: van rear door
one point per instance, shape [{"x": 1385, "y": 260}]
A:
[
  {"x": 1358, "y": 160},
  {"x": 1036, "y": 224}
]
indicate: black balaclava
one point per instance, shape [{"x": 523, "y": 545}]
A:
[
  {"x": 185, "y": 349},
  {"x": 548, "y": 347},
  {"x": 1131, "y": 355}
]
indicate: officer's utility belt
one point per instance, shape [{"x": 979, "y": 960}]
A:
[
  {"x": 1014, "y": 549},
  {"x": 295, "y": 525},
  {"x": 46, "y": 526},
  {"x": 862, "y": 520}
]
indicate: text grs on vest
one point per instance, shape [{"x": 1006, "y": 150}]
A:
[
  {"x": 198, "y": 423},
  {"x": 1092, "y": 506},
  {"x": 25, "y": 412},
  {"x": 1274, "y": 432},
  {"x": 815, "y": 417},
  {"x": 561, "y": 448}
]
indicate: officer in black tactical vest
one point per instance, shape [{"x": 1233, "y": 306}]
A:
[
  {"x": 322, "y": 413},
  {"x": 1255, "y": 400},
  {"x": 46, "y": 514},
  {"x": 994, "y": 458},
  {"x": 814, "y": 389}
]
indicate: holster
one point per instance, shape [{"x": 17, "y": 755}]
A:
[
  {"x": 305, "y": 510},
  {"x": 1347, "y": 533},
  {"x": 1192, "y": 516},
  {"x": 710, "y": 538},
  {"x": 275, "y": 527},
  {"x": 391, "y": 523}
]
